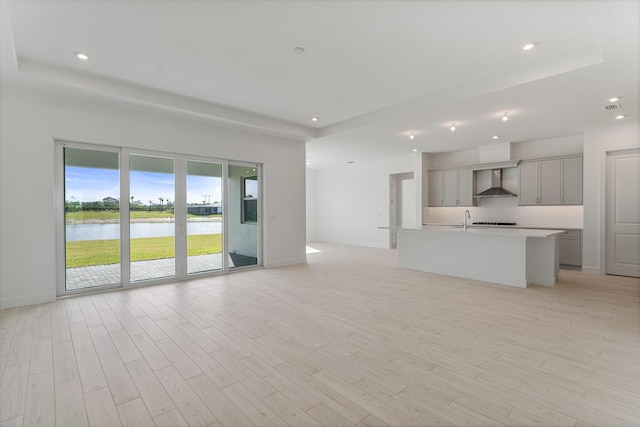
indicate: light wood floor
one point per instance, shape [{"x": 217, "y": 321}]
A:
[{"x": 348, "y": 339}]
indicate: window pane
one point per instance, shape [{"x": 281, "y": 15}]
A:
[
  {"x": 242, "y": 216},
  {"x": 92, "y": 218},
  {"x": 204, "y": 216},
  {"x": 152, "y": 225},
  {"x": 251, "y": 187}
]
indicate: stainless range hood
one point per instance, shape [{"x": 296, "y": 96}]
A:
[{"x": 496, "y": 189}]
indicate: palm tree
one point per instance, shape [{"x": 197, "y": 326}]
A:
[
  {"x": 150, "y": 204},
  {"x": 161, "y": 200},
  {"x": 131, "y": 206}
]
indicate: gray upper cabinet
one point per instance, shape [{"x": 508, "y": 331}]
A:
[
  {"x": 435, "y": 188},
  {"x": 551, "y": 182},
  {"x": 571, "y": 181},
  {"x": 529, "y": 177},
  {"x": 466, "y": 184},
  {"x": 451, "y": 187}
]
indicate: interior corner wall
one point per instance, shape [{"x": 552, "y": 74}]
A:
[
  {"x": 353, "y": 201},
  {"x": 312, "y": 206},
  {"x": 32, "y": 120},
  {"x": 597, "y": 142}
]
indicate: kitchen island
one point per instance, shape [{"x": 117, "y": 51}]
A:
[{"x": 515, "y": 257}]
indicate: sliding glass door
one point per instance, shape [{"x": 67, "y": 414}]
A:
[
  {"x": 243, "y": 218},
  {"x": 128, "y": 216},
  {"x": 91, "y": 237},
  {"x": 152, "y": 241},
  {"x": 204, "y": 217}
]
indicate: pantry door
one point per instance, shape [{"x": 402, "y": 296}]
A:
[{"x": 623, "y": 213}]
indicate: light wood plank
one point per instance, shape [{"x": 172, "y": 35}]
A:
[
  {"x": 13, "y": 390},
  {"x": 150, "y": 351},
  {"x": 134, "y": 414},
  {"x": 247, "y": 377},
  {"x": 179, "y": 359},
  {"x": 224, "y": 409},
  {"x": 193, "y": 410},
  {"x": 101, "y": 340},
  {"x": 253, "y": 407},
  {"x": 100, "y": 409},
  {"x": 209, "y": 366},
  {"x": 125, "y": 346},
  {"x": 41, "y": 356},
  {"x": 120, "y": 383},
  {"x": 65, "y": 367},
  {"x": 80, "y": 335},
  {"x": 170, "y": 419},
  {"x": 328, "y": 417},
  {"x": 290, "y": 412},
  {"x": 90, "y": 370},
  {"x": 154, "y": 395},
  {"x": 284, "y": 385},
  {"x": 70, "y": 408}
]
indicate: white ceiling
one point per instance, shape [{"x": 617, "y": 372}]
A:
[{"x": 373, "y": 71}]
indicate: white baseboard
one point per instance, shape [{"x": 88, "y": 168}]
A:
[
  {"x": 27, "y": 300},
  {"x": 356, "y": 243},
  {"x": 285, "y": 262},
  {"x": 590, "y": 270}
]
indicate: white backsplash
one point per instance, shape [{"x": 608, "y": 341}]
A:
[{"x": 506, "y": 209}]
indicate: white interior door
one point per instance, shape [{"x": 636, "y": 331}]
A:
[{"x": 623, "y": 213}]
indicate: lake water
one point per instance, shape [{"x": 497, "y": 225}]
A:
[{"x": 137, "y": 230}]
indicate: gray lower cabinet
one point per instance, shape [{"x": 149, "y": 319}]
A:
[{"x": 571, "y": 248}]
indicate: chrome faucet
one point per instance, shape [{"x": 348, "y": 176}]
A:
[{"x": 467, "y": 214}]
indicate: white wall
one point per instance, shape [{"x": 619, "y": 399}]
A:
[
  {"x": 597, "y": 142},
  {"x": 312, "y": 206},
  {"x": 32, "y": 120},
  {"x": 353, "y": 201}
]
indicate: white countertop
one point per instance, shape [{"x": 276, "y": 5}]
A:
[{"x": 488, "y": 231}]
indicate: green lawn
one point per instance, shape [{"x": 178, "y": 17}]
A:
[{"x": 84, "y": 253}]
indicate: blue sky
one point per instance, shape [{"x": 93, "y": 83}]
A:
[{"x": 93, "y": 184}]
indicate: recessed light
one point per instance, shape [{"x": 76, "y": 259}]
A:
[
  {"x": 314, "y": 119},
  {"x": 505, "y": 117},
  {"x": 621, "y": 116},
  {"x": 298, "y": 50},
  {"x": 453, "y": 127},
  {"x": 529, "y": 45},
  {"x": 614, "y": 99},
  {"x": 81, "y": 55},
  {"x": 414, "y": 150},
  {"x": 496, "y": 136},
  {"x": 411, "y": 135},
  {"x": 308, "y": 163},
  {"x": 350, "y": 162}
]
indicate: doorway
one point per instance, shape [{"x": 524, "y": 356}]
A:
[
  {"x": 402, "y": 204},
  {"x": 623, "y": 213}
]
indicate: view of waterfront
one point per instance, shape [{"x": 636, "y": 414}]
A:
[{"x": 75, "y": 232}]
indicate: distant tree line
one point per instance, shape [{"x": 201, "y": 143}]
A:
[{"x": 113, "y": 204}]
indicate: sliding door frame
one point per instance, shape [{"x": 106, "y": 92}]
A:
[
  {"x": 180, "y": 216},
  {"x": 60, "y": 217}
]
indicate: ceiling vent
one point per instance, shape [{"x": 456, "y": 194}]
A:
[{"x": 613, "y": 107}]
